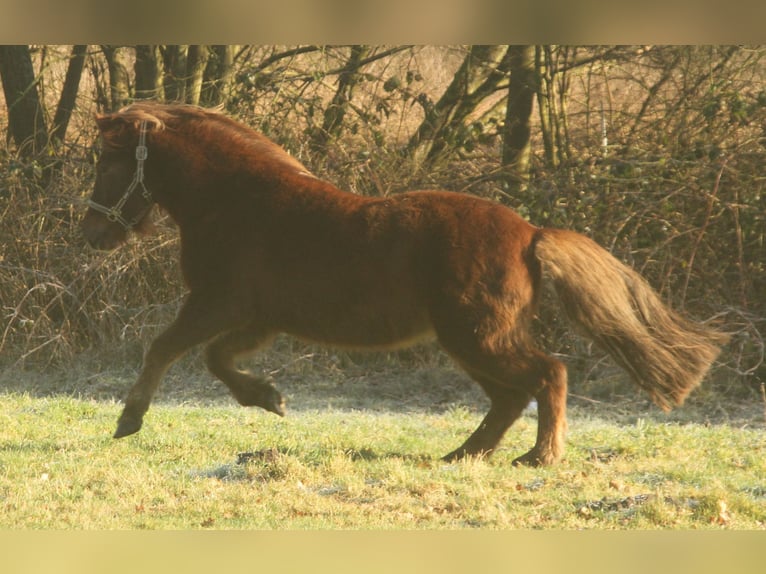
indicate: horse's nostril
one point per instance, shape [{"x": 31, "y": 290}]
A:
[
  {"x": 104, "y": 238},
  {"x": 106, "y": 244}
]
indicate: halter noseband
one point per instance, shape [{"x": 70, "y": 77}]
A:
[{"x": 115, "y": 213}]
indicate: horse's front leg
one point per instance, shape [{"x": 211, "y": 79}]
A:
[{"x": 197, "y": 321}]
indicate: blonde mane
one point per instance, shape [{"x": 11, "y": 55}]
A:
[{"x": 159, "y": 117}]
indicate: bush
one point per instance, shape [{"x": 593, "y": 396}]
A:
[{"x": 679, "y": 195}]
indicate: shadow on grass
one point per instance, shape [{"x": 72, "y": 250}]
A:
[
  {"x": 320, "y": 380},
  {"x": 384, "y": 387}
]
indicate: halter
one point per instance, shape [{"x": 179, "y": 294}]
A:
[{"x": 115, "y": 213}]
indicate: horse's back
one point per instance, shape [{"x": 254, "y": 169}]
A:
[
  {"x": 377, "y": 275},
  {"x": 468, "y": 242}
]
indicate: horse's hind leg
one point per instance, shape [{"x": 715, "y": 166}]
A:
[
  {"x": 551, "y": 395},
  {"x": 515, "y": 378},
  {"x": 511, "y": 371},
  {"x": 507, "y": 405},
  {"x": 246, "y": 388}
]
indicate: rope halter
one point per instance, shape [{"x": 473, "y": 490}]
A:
[{"x": 115, "y": 213}]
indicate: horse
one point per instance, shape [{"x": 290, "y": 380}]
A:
[{"x": 266, "y": 247}]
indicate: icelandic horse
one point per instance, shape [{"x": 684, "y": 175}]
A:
[{"x": 268, "y": 248}]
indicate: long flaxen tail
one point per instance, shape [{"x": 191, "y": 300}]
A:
[{"x": 664, "y": 353}]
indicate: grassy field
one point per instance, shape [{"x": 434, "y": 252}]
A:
[{"x": 203, "y": 463}]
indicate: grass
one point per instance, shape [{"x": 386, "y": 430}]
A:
[{"x": 341, "y": 468}]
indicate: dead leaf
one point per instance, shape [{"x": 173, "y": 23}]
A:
[
  {"x": 723, "y": 518},
  {"x": 616, "y": 485}
]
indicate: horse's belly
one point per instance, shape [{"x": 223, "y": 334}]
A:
[{"x": 365, "y": 328}]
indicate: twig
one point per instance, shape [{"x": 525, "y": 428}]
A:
[
  {"x": 763, "y": 396},
  {"x": 281, "y": 368},
  {"x": 705, "y": 224},
  {"x": 586, "y": 399}
]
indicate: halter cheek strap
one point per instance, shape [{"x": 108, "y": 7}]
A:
[{"x": 114, "y": 213}]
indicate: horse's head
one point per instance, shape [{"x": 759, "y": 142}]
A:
[{"x": 120, "y": 201}]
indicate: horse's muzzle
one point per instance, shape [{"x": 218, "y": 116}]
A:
[{"x": 100, "y": 233}]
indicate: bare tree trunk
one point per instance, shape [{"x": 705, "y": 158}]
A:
[
  {"x": 69, "y": 92},
  {"x": 561, "y": 66},
  {"x": 545, "y": 103},
  {"x": 218, "y": 75},
  {"x": 196, "y": 61},
  {"x": 148, "y": 72},
  {"x": 516, "y": 132},
  {"x": 336, "y": 110},
  {"x": 174, "y": 79},
  {"x": 26, "y": 117},
  {"x": 119, "y": 82},
  {"x": 480, "y": 74}
]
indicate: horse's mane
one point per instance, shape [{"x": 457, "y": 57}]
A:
[{"x": 176, "y": 116}]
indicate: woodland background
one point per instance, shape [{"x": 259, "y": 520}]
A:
[{"x": 656, "y": 152}]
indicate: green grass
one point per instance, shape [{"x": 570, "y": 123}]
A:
[{"x": 346, "y": 469}]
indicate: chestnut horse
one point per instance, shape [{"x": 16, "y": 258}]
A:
[{"x": 268, "y": 248}]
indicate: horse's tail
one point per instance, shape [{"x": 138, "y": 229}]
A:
[{"x": 664, "y": 353}]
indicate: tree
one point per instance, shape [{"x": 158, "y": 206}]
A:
[
  {"x": 119, "y": 80},
  {"x": 348, "y": 77},
  {"x": 219, "y": 73},
  {"x": 549, "y": 98},
  {"x": 516, "y": 131},
  {"x": 174, "y": 72},
  {"x": 481, "y": 74},
  {"x": 26, "y": 117},
  {"x": 148, "y": 72},
  {"x": 69, "y": 92},
  {"x": 196, "y": 61}
]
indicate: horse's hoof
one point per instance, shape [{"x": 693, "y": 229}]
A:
[
  {"x": 463, "y": 454},
  {"x": 126, "y": 427},
  {"x": 526, "y": 460},
  {"x": 454, "y": 456},
  {"x": 534, "y": 459}
]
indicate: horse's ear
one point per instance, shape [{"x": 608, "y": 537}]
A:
[
  {"x": 114, "y": 129},
  {"x": 104, "y": 121}
]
